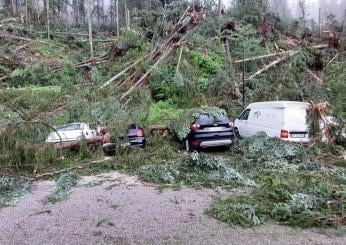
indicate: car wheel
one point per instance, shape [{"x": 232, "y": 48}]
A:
[
  {"x": 236, "y": 132},
  {"x": 187, "y": 145}
]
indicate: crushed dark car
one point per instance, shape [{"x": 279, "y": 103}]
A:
[
  {"x": 209, "y": 131},
  {"x": 135, "y": 137}
]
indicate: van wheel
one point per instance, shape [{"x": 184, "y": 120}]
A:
[
  {"x": 236, "y": 132},
  {"x": 187, "y": 145}
]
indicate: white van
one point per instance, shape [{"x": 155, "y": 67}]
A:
[{"x": 282, "y": 119}]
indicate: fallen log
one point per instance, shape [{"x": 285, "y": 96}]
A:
[
  {"x": 272, "y": 64},
  {"x": 277, "y": 54},
  {"x": 331, "y": 61},
  {"x": 162, "y": 58},
  {"x": 30, "y": 40},
  {"x": 318, "y": 79},
  {"x": 159, "y": 129},
  {"x": 262, "y": 57},
  {"x": 120, "y": 74},
  {"x": 277, "y": 61},
  {"x": 82, "y": 166},
  {"x": 3, "y": 78}
]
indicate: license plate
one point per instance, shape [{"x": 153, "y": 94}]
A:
[
  {"x": 297, "y": 135},
  {"x": 215, "y": 129}
]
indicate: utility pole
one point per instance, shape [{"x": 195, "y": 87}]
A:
[{"x": 243, "y": 75}]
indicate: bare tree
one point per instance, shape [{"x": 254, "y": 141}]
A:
[{"x": 302, "y": 6}]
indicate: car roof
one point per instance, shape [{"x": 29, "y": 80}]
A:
[
  {"x": 278, "y": 104},
  {"x": 70, "y": 124}
]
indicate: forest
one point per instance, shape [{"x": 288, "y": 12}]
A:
[{"x": 114, "y": 63}]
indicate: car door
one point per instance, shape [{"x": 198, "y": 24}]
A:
[{"x": 241, "y": 123}]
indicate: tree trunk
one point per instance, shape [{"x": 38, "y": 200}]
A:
[
  {"x": 125, "y": 12},
  {"x": 26, "y": 13},
  {"x": 38, "y": 12},
  {"x": 47, "y": 10},
  {"x": 90, "y": 29},
  {"x": 219, "y": 14},
  {"x": 128, "y": 19},
  {"x": 117, "y": 18},
  {"x": 13, "y": 6}
]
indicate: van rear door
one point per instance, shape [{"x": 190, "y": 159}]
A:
[{"x": 296, "y": 123}]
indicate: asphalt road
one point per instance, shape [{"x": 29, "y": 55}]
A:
[{"x": 117, "y": 209}]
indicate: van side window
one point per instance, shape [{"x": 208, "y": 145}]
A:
[{"x": 244, "y": 115}]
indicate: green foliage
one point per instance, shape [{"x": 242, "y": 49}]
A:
[
  {"x": 12, "y": 190},
  {"x": 234, "y": 213},
  {"x": 162, "y": 112},
  {"x": 158, "y": 174},
  {"x": 201, "y": 161},
  {"x": 260, "y": 153},
  {"x": 202, "y": 169},
  {"x": 335, "y": 79},
  {"x": 301, "y": 61},
  {"x": 35, "y": 100},
  {"x": 251, "y": 11},
  {"x": 242, "y": 38},
  {"x": 62, "y": 188},
  {"x": 208, "y": 64},
  {"x": 66, "y": 78},
  {"x": 163, "y": 84},
  {"x": 182, "y": 126},
  {"x": 23, "y": 148},
  {"x": 33, "y": 74},
  {"x": 297, "y": 200}
]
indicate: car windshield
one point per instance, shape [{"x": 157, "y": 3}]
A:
[{"x": 69, "y": 127}]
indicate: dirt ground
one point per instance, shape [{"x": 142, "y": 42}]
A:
[{"x": 117, "y": 209}]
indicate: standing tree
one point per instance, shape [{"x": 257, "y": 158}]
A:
[
  {"x": 48, "y": 23},
  {"x": 90, "y": 29},
  {"x": 302, "y": 17},
  {"x": 117, "y": 17}
]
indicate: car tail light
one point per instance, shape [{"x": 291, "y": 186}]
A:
[
  {"x": 231, "y": 124},
  {"x": 284, "y": 134},
  {"x": 140, "y": 133},
  {"x": 195, "y": 127},
  {"x": 195, "y": 143}
]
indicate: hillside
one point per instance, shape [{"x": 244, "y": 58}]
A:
[{"x": 149, "y": 62}]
